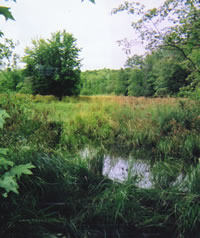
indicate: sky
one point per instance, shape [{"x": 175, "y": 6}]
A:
[{"x": 97, "y": 30}]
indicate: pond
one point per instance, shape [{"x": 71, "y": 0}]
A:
[{"x": 119, "y": 167}]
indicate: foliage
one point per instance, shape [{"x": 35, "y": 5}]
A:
[
  {"x": 3, "y": 116},
  {"x": 9, "y": 172},
  {"x": 161, "y": 73},
  {"x": 53, "y": 65},
  {"x": 5, "y": 11},
  {"x": 136, "y": 84},
  {"x": 24, "y": 128},
  {"x": 104, "y": 82},
  {"x": 169, "y": 129},
  {"x": 180, "y": 14},
  {"x": 8, "y": 59},
  {"x": 12, "y": 81},
  {"x": 67, "y": 193},
  {"x": 180, "y": 37},
  {"x": 67, "y": 190},
  {"x": 121, "y": 84}
]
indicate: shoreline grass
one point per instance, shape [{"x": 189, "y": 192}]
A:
[{"x": 49, "y": 134}]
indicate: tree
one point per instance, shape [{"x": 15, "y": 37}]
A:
[
  {"x": 135, "y": 61},
  {"x": 136, "y": 83},
  {"x": 53, "y": 65},
  {"x": 121, "y": 82},
  {"x": 175, "y": 27},
  {"x": 8, "y": 59},
  {"x": 169, "y": 73},
  {"x": 182, "y": 18}
]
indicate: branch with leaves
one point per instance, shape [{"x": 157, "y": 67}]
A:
[
  {"x": 10, "y": 173},
  {"x": 174, "y": 25},
  {"x": 5, "y": 12}
]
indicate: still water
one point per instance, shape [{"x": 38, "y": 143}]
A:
[{"x": 119, "y": 169}]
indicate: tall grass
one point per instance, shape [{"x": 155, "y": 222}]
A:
[
  {"x": 68, "y": 193},
  {"x": 163, "y": 127}
]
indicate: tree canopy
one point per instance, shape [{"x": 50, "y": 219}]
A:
[
  {"x": 53, "y": 65},
  {"x": 175, "y": 27}
]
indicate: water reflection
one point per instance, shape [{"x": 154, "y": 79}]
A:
[
  {"x": 117, "y": 168},
  {"x": 120, "y": 167}
]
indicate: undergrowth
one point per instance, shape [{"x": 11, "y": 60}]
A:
[{"x": 67, "y": 193}]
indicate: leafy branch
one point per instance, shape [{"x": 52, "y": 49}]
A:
[
  {"x": 174, "y": 25},
  {"x": 10, "y": 173}
]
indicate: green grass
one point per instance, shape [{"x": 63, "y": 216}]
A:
[
  {"x": 165, "y": 130},
  {"x": 50, "y": 134}
]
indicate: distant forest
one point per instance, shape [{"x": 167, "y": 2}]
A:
[
  {"x": 170, "y": 66},
  {"x": 161, "y": 73}
]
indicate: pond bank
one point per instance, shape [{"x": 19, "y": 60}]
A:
[{"x": 165, "y": 137}]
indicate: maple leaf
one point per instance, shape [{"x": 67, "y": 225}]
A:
[{"x": 5, "y": 11}]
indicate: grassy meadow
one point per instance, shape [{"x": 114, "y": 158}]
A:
[{"x": 67, "y": 193}]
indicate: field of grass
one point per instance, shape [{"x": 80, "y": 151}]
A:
[{"x": 67, "y": 195}]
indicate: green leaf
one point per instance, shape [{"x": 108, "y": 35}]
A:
[
  {"x": 20, "y": 169},
  {"x": 9, "y": 184},
  {"x": 5, "y": 11},
  {"x": 4, "y": 163},
  {"x": 3, "y": 151},
  {"x": 8, "y": 181},
  {"x": 3, "y": 116}
]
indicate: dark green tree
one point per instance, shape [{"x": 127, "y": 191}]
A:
[
  {"x": 175, "y": 27},
  {"x": 105, "y": 82},
  {"x": 141, "y": 76},
  {"x": 121, "y": 84},
  {"x": 169, "y": 72},
  {"x": 136, "y": 83},
  {"x": 135, "y": 61},
  {"x": 54, "y": 66}
]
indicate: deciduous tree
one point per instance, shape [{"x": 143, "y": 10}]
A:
[
  {"x": 54, "y": 65},
  {"x": 175, "y": 25}
]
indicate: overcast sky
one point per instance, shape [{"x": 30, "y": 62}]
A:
[{"x": 96, "y": 30}]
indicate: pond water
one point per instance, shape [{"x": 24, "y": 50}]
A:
[{"x": 118, "y": 168}]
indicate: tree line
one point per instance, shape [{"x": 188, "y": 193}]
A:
[
  {"x": 170, "y": 66},
  {"x": 157, "y": 74}
]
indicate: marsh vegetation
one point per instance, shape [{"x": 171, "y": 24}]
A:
[
  {"x": 88, "y": 166},
  {"x": 67, "y": 192}
]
